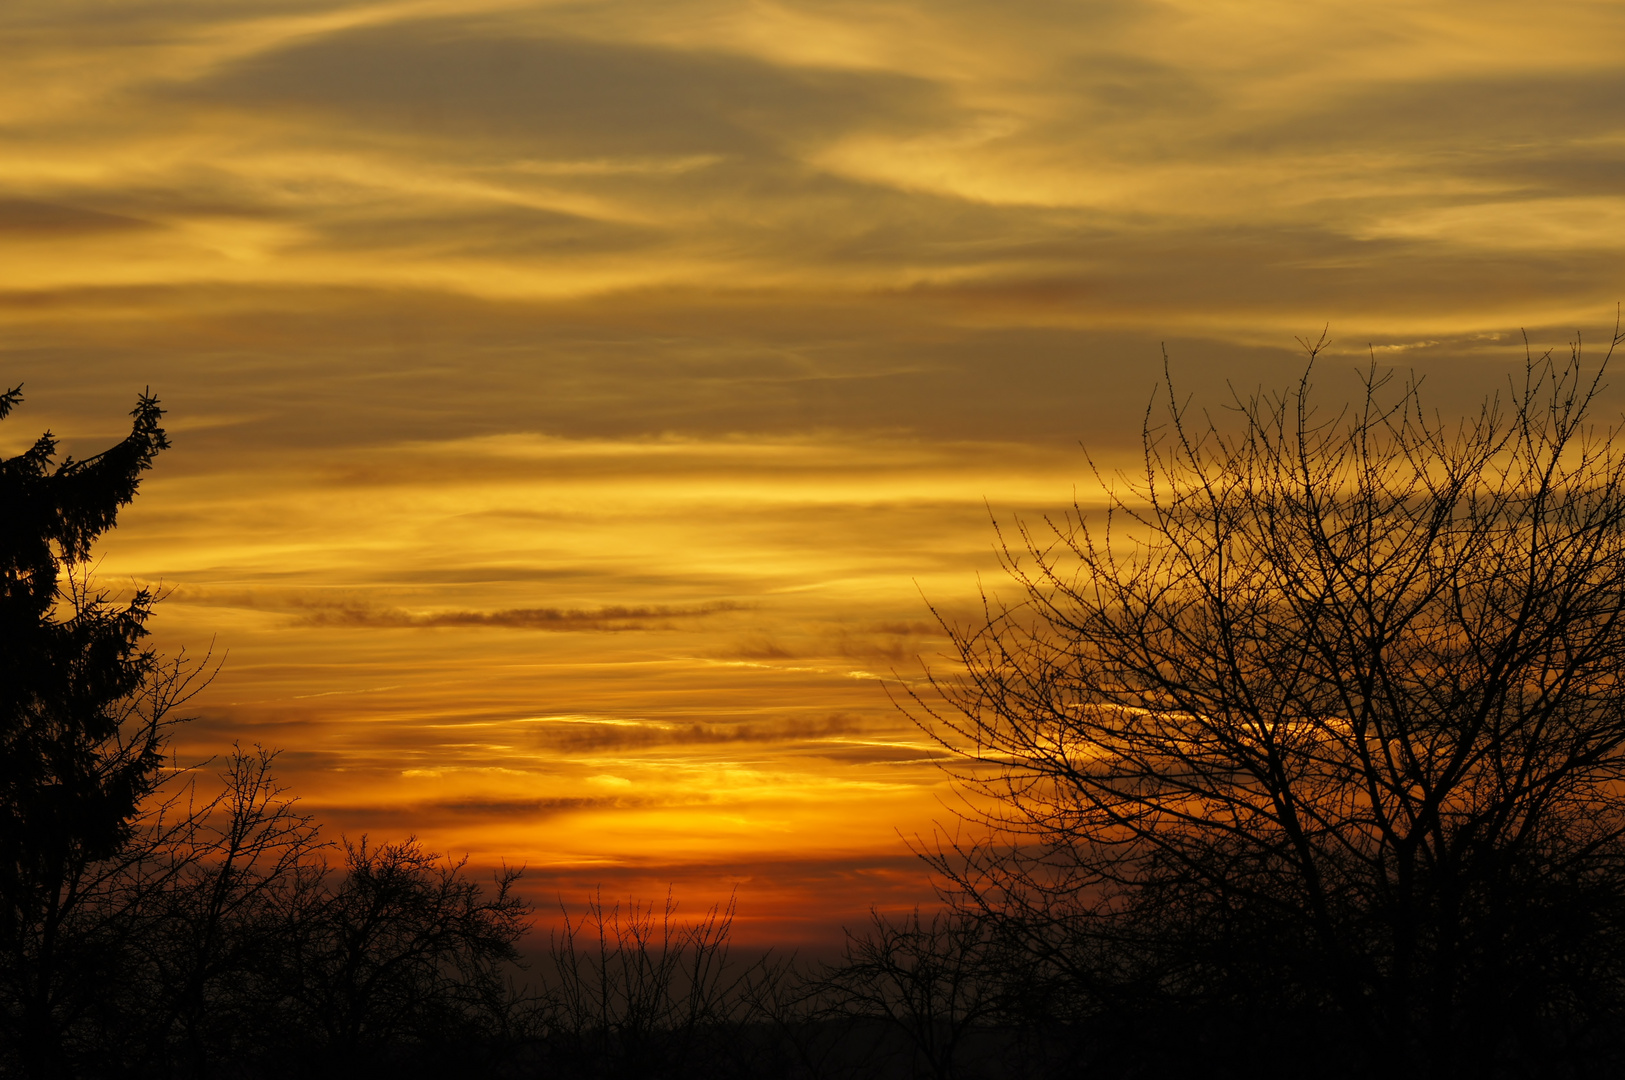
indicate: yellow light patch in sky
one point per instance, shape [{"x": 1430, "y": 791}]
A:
[{"x": 584, "y": 653}]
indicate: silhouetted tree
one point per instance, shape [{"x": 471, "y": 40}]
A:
[
  {"x": 637, "y": 993},
  {"x": 82, "y": 709},
  {"x": 401, "y": 952},
  {"x": 934, "y": 980},
  {"x": 1316, "y": 736},
  {"x": 206, "y": 891}
]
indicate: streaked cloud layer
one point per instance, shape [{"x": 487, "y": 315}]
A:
[{"x": 572, "y": 401}]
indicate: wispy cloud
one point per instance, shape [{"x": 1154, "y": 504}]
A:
[{"x": 611, "y": 618}]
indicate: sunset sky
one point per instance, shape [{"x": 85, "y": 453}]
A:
[{"x": 576, "y": 406}]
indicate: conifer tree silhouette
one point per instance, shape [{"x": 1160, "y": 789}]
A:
[{"x": 80, "y": 716}]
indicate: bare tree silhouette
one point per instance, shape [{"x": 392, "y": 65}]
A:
[
  {"x": 638, "y": 992},
  {"x": 202, "y": 894},
  {"x": 402, "y": 949},
  {"x": 1317, "y": 733},
  {"x": 935, "y": 980}
]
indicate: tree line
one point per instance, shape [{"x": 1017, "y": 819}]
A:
[{"x": 1306, "y": 752}]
